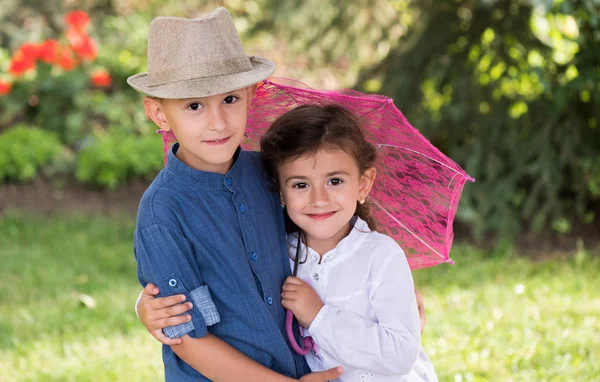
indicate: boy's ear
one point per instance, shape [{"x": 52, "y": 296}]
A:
[
  {"x": 251, "y": 90},
  {"x": 154, "y": 110},
  {"x": 366, "y": 182}
]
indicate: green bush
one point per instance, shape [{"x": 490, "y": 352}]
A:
[
  {"x": 24, "y": 151},
  {"x": 110, "y": 160}
]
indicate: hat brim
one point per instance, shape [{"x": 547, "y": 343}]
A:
[{"x": 206, "y": 86}]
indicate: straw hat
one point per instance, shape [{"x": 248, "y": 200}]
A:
[{"x": 189, "y": 58}]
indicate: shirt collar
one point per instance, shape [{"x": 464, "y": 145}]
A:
[
  {"x": 344, "y": 248},
  {"x": 204, "y": 179}
]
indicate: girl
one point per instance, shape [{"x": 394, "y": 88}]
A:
[{"x": 354, "y": 291}]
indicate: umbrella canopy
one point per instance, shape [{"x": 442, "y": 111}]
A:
[{"x": 417, "y": 190}]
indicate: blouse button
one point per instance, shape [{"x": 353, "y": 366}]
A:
[
  {"x": 228, "y": 182},
  {"x": 316, "y": 276},
  {"x": 269, "y": 300},
  {"x": 242, "y": 208},
  {"x": 173, "y": 283}
]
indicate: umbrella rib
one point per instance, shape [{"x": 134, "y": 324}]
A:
[
  {"x": 406, "y": 228},
  {"x": 426, "y": 156}
]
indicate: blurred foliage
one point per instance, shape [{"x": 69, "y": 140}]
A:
[
  {"x": 507, "y": 88},
  {"x": 23, "y": 151},
  {"x": 113, "y": 159}
]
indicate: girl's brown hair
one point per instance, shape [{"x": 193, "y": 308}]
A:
[{"x": 308, "y": 129}]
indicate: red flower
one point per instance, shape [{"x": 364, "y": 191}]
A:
[
  {"x": 66, "y": 60},
  {"x": 48, "y": 51},
  {"x": 19, "y": 64},
  {"x": 78, "y": 20},
  {"x": 101, "y": 78},
  {"x": 29, "y": 51},
  {"x": 83, "y": 45},
  {"x": 5, "y": 87}
]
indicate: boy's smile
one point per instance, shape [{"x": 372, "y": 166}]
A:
[
  {"x": 208, "y": 129},
  {"x": 320, "y": 192}
]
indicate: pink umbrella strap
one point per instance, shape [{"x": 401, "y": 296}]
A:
[{"x": 307, "y": 344}]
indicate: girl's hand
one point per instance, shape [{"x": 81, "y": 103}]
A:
[
  {"x": 421, "y": 306},
  {"x": 161, "y": 312},
  {"x": 301, "y": 299},
  {"x": 323, "y": 376}
]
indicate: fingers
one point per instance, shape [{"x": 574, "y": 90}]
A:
[
  {"x": 293, "y": 280},
  {"x": 150, "y": 290},
  {"x": 176, "y": 310},
  {"x": 420, "y": 301},
  {"x": 173, "y": 321},
  {"x": 421, "y": 307},
  {"x": 160, "y": 336},
  {"x": 327, "y": 375},
  {"x": 164, "y": 302}
]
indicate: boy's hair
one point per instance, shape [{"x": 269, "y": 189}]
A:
[{"x": 310, "y": 128}]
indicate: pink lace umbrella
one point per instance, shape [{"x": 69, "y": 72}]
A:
[{"x": 417, "y": 190}]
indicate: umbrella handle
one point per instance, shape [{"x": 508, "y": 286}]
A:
[{"x": 307, "y": 342}]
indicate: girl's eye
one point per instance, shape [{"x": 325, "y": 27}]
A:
[
  {"x": 300, "y": 185},
  {"x": 336, "y": 181},
  {"x": 194, "y": 106},
  {"x": 230, "y": 99}
]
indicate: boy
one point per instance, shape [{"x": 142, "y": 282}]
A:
[{"x": 208, "y": 226}]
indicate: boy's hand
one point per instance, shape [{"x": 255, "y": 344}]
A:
[
  {"x": 301, "y": 299},
  {"x": 326, "y": 375},
  {"x": 421, "y": 306},
  {"x": 161, "y": 312}
]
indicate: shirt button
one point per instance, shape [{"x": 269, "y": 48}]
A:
[
  {"x": 242, "y": 208},
  {"x": 228, "y": 182},
  {"x": 269, "y": 300},
  {"x": 173, "y": 283},
  {"x": 316, "y": 276},
  {"x": 254, "y": 256}
]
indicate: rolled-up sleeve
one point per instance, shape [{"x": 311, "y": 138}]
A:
[{"x": 166, "y": 258}]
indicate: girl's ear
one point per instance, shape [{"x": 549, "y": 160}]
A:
[
  {"x": 281, "y": 200},
  {"x": 366, "y": 183},
  {"x": 154, "y": 110}
]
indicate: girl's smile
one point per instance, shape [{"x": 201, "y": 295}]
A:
[{"x": 321, "y": 216}]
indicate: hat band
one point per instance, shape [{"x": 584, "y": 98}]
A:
[{"x": 203, "y": 70}]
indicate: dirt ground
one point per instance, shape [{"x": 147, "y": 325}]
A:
[
  {"x": 62, "y": 196},
  {"x": 44, "y": 196}
]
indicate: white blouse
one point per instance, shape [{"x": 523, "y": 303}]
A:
[{"x": 370, "y": 321}]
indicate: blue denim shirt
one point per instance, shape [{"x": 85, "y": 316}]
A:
[{"x": 220, "y": 240}]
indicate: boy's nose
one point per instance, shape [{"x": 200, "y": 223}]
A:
[
  {"x": 217, "y": 121},
  {"x": 319, "y": 197}
]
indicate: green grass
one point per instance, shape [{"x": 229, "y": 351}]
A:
[{"x": 498, "y": 318}]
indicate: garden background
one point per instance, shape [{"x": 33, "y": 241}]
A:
[{"x": 508, "y": 88}]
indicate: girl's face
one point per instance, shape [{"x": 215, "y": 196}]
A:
[{"x": 320, "y": 192}]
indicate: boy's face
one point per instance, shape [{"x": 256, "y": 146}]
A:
[{"x": 208, "y": 129}]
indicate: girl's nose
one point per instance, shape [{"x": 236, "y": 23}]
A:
[{"x": 319, "y": 197}]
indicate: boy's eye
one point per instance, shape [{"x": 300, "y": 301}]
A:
[
  {"x": 194, "y": 106},
  {"x": 336, "y": 181},
  {"x": 300, "y": 185},
  {"x": 230, "y": 99}
]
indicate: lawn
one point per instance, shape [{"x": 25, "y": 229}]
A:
[{"x": 68, "y": 285}]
